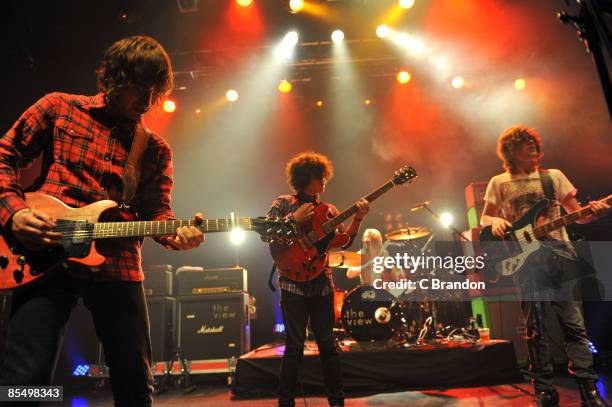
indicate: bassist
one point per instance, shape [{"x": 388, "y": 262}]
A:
[
  {"x": 507, "y": 198},
  {"x": 307, "y": 174}
]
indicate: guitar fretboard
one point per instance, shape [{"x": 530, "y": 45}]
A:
[
  {"x": 565, "y": 220},
  {"x": 332, "y": 224},
  {"x": 108, "y": 230}
]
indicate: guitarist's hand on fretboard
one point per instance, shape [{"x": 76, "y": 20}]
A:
[
  {"x": 601, "y": 208},
  {"x": 187, "y": 238},
  {"x": 34, "y": 229}
]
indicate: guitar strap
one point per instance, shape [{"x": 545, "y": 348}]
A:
[
  {"x": 133, "y": 165},
  {"x": 547, "y": 184}
]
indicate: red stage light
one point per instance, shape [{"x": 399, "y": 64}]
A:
[{"x": 244, "y": 3}]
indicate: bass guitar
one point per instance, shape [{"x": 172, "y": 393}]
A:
[
  {"x": 305, "y": 258},
  {"x": 80, "y": 229},
  {"x": 510, "y": 254}
]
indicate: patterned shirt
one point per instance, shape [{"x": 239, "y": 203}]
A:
[
  {"x": 515, "y": 194},
  {"x": 282, "y": 207},
  {"x": 84, "y": 153}
]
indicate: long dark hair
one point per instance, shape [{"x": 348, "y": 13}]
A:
[{"x": 136, "y": 61}]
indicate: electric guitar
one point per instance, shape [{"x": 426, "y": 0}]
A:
[
  {"x": 305, "y": 257},
  {"x": 80, "y": 229},
  {"x": 510, "y": 254}
]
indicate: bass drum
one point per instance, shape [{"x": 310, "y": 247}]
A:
[{"x": 366, "y": 314}]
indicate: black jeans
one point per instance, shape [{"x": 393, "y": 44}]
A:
[
  {"x": 119, "y": 312},
  {"x": 550, "y": 274},
  {"x": 296, "y": 310}
]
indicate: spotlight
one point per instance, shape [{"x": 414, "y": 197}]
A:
[
  {"x": 382, "y": 31},
  {"x": 406, "y": 3},
  {"x": 520, "y": 84},
  {"x": 457, "y": 82},
  {"x": 198, "y": 111},
  {"x": 244, "y": 3},
  {"x": 169, "y": 106},
  {"x": 237, "y": 236},
  {"x": 284, "y": 50},
  {"x": 446, "y": 219},
  {"x": 319, "y": 103},
  {"x": 403, "y": 77},
  {"x": 296, "y": 5},
  {"x": 367, "y": 101},
  {"x": 284, "y": 86},
  {"x": 337, "y": 36},
  {"x": 231, "y": 95},
  {"x": 291, "y": 38}
]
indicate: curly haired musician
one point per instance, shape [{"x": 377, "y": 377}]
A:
[
  {"x": 511, "y": 195},
  {"x": 85, "y": 141},
  {"x": 307, "y": 174}
]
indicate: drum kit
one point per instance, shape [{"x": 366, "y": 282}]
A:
[{"x": 368, "y": 314}]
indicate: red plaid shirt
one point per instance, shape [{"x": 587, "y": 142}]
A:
[{"x": 84, "y": 153}]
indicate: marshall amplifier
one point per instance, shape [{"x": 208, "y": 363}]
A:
[
  {"x": 197, "y": 280},
  {"x": 162, "y": 321},
  {"x": 158, "y": 281},
  {"x": 214, "y": 326}
]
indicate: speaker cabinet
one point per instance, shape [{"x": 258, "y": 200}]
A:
[
  {"x": 213, "y": 326},
  {"x": 162, "y": 320}
]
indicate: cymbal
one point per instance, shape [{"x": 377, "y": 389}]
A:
[
  {"x": 409, "y": 233},
  {"x": 344, "y": 259}
]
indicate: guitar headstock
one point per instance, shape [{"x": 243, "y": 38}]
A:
[
  {"x": 404, "y": 174},
  {"x": 275, "y": 229}
]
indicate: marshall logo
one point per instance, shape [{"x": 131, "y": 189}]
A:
[{"x": 205, "y": 329}]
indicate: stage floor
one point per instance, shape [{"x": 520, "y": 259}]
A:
[
  {"x": 373, "y": 368},
  {"x": 507, "y": 395}
]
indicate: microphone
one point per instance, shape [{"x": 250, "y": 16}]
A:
[{"x": 420, "y": 205}]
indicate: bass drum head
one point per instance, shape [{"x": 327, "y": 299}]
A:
[{"x": 359, "y": 314}]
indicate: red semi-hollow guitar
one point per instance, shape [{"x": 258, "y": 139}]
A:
[
  {"x": 304, "y": 259},
  {"x": 80, "y": 228}
]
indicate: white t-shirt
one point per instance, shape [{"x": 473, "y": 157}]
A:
[{"x": 516, "y": 194}]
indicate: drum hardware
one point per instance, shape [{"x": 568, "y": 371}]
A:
[
  {"x": 344, "y": 259},
  {"x": 408, "y": 233}
]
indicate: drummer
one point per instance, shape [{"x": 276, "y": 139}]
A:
[{"x": 372, "y": 247}]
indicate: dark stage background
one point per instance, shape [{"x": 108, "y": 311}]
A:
[{"x": 230, "y": 157}]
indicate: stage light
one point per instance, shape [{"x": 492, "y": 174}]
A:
[
  {"x": 406, "y": 3},
  {"x": 457, "y": 82},
  {"x": 231, "y": 95},
  {"x": 296, "y": 5},
  {"x": 403, "y": 77},
  {"x": 80, "y": 370},
  {"x": 237, "y": 236},
  {"x": 198, "y": 111},
  {"x": 382, "y": 31},
  {"x": 367, "y": 101},
  {"x": 319, "y": 103},
  {"x": 337, "y": 36},
  {"x": 446, "y": 219},
  {"x": 284, "y": 86},
  {"x": 244, "y": 3},
  {"x": 291, "y": 38},
  {"x": 520, "y": 84},
  {"x": 284, "y": 50},
  {"x": 169, "y": 106}
]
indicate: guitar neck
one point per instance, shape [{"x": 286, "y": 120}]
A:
[
  {"x": 110, "y": 230},
  {"x": 332, "y": 224},
  {"x": 565, "y": 220}
]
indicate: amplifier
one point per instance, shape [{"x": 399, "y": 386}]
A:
[
  {"x": 474, "y": 194},
  {"x": 197, "y": 280},
  {"x": 162, "y": 321},
  {"x": 214, "y": 326},
  {"x": 158, "y": 281}
]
